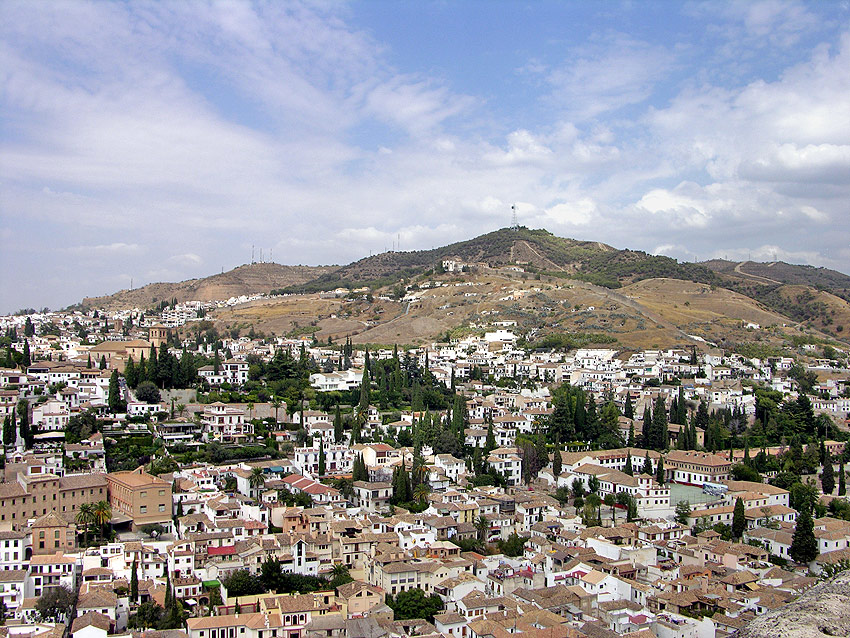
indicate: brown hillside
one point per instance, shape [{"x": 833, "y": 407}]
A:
[{"x": 244, "y": 280}]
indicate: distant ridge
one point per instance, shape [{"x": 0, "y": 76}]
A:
[
  {"x": 815, "y": 298},
  {"x": 243, "y": 280}
]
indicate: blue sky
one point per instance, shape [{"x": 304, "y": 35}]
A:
[{"x": 158, "y": 141}]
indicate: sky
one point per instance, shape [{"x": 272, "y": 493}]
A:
[{"x": 160, "y": 141}]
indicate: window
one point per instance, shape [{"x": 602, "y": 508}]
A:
[{"x": 143, "y": 509}]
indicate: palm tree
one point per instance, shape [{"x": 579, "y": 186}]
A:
[
  {"x": 102, "y": 515},
  {"x": 421, "y": 491},
  {"x": 181, "y": 408},
  {"x": 482, "y": 525},
  {"x": 276, "y": 403},
  {"x": 256, "y": 480},
  {"x": 84, "y": 518}
]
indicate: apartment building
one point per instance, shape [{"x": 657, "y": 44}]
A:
[{"x": 142, "y": 497}]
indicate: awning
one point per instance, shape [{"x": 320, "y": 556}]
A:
[{"x": 211, "y": 584}]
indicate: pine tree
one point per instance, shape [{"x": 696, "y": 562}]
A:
[
  {"x": 827, "y": 477},
  {"x": 739, "y": 520},
  {"x": 628, "y": 469},
  {"x": 659, "y": 471},
  {"x": 804, "y": 545}
]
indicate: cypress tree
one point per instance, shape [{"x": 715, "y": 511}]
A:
[
  {"x": 739, "y": 520},
  {"x": 659, "y": 471},
  {"x": 365, "y": 382},
  {"x": 647, "y": 464},
  {"x": 321, "y": 458},
  {"x": 338, "y": 431},
  {"x": 114, "y": 399},
  {"x": 557, "y": 463},
  {"x": 26, "y": 362},
  {"x": 842, "y": 487},
  {"x": 659, "y": 424},
  {"x": 646, "y": 433},
  {"x": 88, "y": 362},
  {"x": 24, "y": 423},
  {"x": 631, "y": 441},
  {"x": 827, "y": 477},
  {"x": 8, "y": 431},
  {"x": 628, "y": 469},
  {"x": 490, "y": 441},
  {"x": 102, "y": 364},
  {"x": 804, "y": 545},
  {"x": 134, "y": 582},
  {"x": 628, "y": 408},
  {"x": 130, "y": 373}
]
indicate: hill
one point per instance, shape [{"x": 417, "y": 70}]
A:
[
  {"x": 243, "y": 280},
  {"x": 824, "y": 610},
  {"x": 537, "y": 250}
]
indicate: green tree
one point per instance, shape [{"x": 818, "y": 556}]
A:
[
  {"x": 85, "y": 518},
  {"x": 842, "y": 487},
  {"x": 322, "y": 468},
  {"x": 242, "y": 583},
  {"x": 611, "y": 501},
  {"x": 8, "y": 430},
  {"x": 134, "y": 582},
  {"x": 102, "y": 513},
  {"x": 339, "y": 434},
  {"x": 148, "y": 616},
  {"x": 659, "y": 471},
  {"x": 257, "y": 479},
  {"x": 55, "y": 603},
  {"x": 739, "y": 520},
  {"x": 413, "y": 603},
  {"x": 683, "y": 511},
  {"x": 804, "y": 545},
  {"x": 114, "y": 400},
  {"x": 557, "y": 463},
  {"x": 827, "y": 477},
  {"x": 514, "y": 545},
  {"x": 146, "y": 391},
  {"x": 628, "y": 469}
]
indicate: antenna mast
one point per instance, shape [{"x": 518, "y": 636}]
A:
[{"x": 514, "y": 224}]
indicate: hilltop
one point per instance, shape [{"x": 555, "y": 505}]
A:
[
  {"x": 548, "y": 284},
  {"x": 536, "y": 250},
  {"x": 243, "y": 280}
]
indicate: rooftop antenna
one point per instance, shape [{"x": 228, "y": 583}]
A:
[
  {"x": 271, "y": 252},
  {"x": 514, "y": 224},
  {"x": 252, "y": 253}
]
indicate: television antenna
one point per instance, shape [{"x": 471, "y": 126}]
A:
[{"x": 514, "y": 224}]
